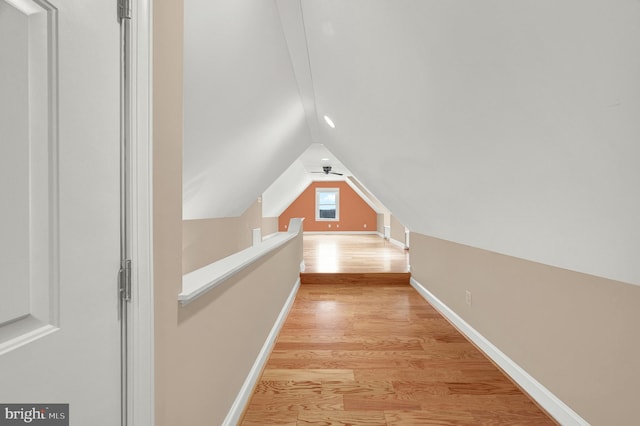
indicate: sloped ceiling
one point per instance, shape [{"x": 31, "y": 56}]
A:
[
  {"x": 510, "y": 126},
  {"x": 306, "y": 169},
  {"x": 244, "y": 121}
]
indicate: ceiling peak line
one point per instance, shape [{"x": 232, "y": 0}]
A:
[
  {"x": 306, "y": 42},
  {"x": 291, "y": 54}
]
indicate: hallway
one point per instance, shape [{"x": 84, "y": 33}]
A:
[
  {"x": 365, "y": 354},
  {"x": 503, "y": 134}
]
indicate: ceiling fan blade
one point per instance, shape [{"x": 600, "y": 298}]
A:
[{"x": 326, "y": 170}]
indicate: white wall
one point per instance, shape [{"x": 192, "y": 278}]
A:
[
  {"x": 244, "y": 120},
  {"x": 285, "y": 189},
  {"x": 509, "y": 126}
]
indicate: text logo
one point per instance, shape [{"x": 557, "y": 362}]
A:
[{"x": 34, "y": 414}]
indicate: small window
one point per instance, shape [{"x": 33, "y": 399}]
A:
[{"x": 328, "y": 204}]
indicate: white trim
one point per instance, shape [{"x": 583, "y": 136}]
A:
[
  {"x": 266, "y": 237},
  {"x": 200, "y": 281},
  {"x": 397, "y": 243},
  {"x": 554, "y": 406},
  {"x": 340, "y": 232},
  {"x": 141, "y": 326},
  {"x": 237, "y": 408},
  {"x": 319, "y": 191},
  {"x": 27, "y": 336},
  {"x": 256, "y": 236},
  {"x": 364, "y": 196}
]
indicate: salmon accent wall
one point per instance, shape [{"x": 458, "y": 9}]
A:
[{"x": 355, "y": 213}]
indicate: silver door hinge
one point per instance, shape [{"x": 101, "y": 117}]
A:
[
  {"x": 124, "y": 10},
  {"x": 124, "y": 280}
]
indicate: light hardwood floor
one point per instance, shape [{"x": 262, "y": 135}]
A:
[
  {"x": 352, "y": 254},
  {"x": 360, "y": 354}
]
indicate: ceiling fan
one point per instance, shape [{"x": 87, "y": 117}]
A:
[{"x": 327, "y": 170}]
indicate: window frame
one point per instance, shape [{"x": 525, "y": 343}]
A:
[{"x": 317, "y": 207}]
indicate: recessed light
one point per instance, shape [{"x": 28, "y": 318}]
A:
[{"x": 329, "y": 122}]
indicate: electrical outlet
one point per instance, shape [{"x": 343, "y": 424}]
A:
[{"x": 467, "y": 297}]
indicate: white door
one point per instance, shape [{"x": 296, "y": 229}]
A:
[{"x": 59, "y": 215}]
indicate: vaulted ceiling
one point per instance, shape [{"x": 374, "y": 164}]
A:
[{"x": 506, "y": 125}]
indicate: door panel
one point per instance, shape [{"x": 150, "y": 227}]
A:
[
  {"x": 59, "y": 224},
  {"x": 27, "y": 184},
  {"x": 13, "y": 164}
]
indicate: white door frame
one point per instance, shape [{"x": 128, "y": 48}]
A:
[{"x": 141, "y": 327}]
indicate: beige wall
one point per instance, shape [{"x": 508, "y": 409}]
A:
[
  {"x": 219, "y": 336},
  {"x": 397, "y": 230},
  {"x": 380, "y": 223},
  {"x": 576, "y": 334},
  {"x": 203, "y": 352},
  {"x": 250, "y": 220},
  {"x": 206, "y": 240},
  {"x": 269, "y": 225},
  {"x": 167, "y": 200}
]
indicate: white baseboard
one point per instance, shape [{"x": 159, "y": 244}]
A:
[
  {"x": 543, "y": 396},
  {"x": 237, "y": 408},
  {"x": 397, "y": 243},
  {"x": 340, "y": 232}
]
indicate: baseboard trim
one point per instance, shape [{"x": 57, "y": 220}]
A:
[
  {"x": 543, "y": 396},
  {"x": 340, "y": 232},
  {"x": 398, "y": 243},
  {"x": 244, "y": 395}
]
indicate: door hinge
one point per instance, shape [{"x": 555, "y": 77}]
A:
[
  {"x": 124, "y": 10},
  {"x": 124, "y": 280}
]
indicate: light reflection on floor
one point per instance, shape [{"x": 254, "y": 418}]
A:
[
  {"x": 327, "y": 257},
  {"x": 353, "y": 253}
]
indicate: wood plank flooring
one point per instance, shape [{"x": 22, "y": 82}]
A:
[
  {"x": 356, "y": 354},
  {"x": 355, "y": 278},
  {"x": 361, "y": 253}
]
